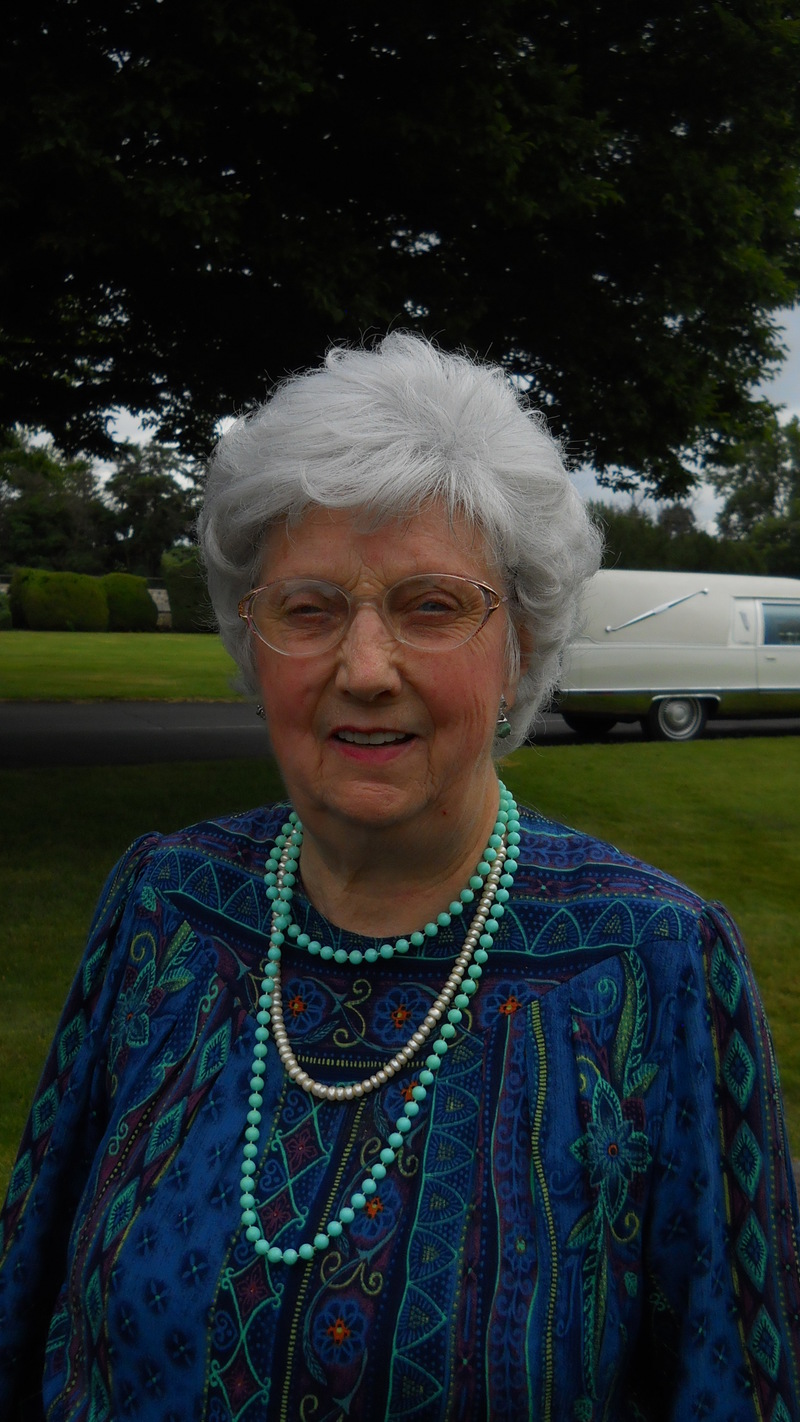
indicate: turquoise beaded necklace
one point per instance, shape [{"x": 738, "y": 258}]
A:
[{"x": 493, "y": 879}]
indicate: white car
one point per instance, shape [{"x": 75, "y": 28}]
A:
[{"x": 672, "y": 649}]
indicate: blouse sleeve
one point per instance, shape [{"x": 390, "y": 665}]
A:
[
  {"x": 61, "y": 1136},
  {"x": 722, "y": 1288}
]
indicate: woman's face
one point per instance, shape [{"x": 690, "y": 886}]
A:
[{"x": 444, "y": 705}]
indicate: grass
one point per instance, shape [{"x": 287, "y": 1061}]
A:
[
  {"x": 114, "y": 666},
  {"x": 723, "y": 816}
]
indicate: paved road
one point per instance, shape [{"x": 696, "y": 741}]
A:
[{"x": 140, "y": 732}]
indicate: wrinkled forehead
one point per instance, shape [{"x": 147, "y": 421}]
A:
[{"x": 427, "y": 539}]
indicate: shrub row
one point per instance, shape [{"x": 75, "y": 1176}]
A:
[
  {"x": 119, "y": 602},
  {"x": 75, "y": 602}
]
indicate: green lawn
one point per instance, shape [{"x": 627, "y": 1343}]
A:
[
  {"x": 722, "y": 815},
  {"x": 114, "y": 666}
]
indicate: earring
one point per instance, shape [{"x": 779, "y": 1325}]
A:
[
  {"x": 261, "y": 712},
  {"x": 503, "y": 727}
]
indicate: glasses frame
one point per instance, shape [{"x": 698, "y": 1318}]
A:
[{"x": 491, "y": 598}]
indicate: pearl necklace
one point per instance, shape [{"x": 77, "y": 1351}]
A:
[{"x": 495, "y": 876}]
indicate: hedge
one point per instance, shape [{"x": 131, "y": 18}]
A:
[
  {"x": 59, "y": 602},
  {"x": 130, "y": 606},
  {"x": 5, "y": 613},
  {"x": 186, "y": 587}
]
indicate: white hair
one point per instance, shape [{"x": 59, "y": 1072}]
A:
[{"x": 387, "y": 430}]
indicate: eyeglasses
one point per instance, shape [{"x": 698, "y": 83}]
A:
[{"x": 432, "y": 612}]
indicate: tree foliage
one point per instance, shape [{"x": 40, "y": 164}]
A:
[
  {"x": 60, "y": 514},
  {"x": 602, "y": 196},
  {"x": 762, "y": 497}
]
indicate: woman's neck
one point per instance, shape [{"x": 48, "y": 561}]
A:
[{"x": 383, "y": 883}]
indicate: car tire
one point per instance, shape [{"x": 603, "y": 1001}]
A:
[{"x": 676, "y": 718}]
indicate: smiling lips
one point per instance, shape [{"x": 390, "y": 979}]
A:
[{"x": 372, "y": 738}]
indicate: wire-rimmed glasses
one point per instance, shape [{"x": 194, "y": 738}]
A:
[{"x": 432, "y": 612}]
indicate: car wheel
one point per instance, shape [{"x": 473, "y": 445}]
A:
[{"x": 678, "y": 718}]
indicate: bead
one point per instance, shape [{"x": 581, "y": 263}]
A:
[{"x": 493, "y": 879}]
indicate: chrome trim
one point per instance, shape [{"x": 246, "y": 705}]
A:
[{"x": 654, "y": 611}]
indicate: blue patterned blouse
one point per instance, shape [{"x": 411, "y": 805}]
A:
[{"x": 593, "y": 1215}]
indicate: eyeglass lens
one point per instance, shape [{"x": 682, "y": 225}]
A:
[{"x": 301, "y": 617}]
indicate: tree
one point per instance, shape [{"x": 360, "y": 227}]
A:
[
  {"x": 51, "y": 512},
  {"x": 152, "y": 510},
  {"x": 61, "y": 514},
  {"x": 762, "y": 497},
  {"x": 635, "y": 539},
  {"x": 602, "y": 196}
]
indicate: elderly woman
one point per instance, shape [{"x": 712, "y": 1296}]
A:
[{"x": 398, "y": 1101}]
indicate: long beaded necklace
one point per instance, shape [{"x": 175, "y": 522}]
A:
[{"x": 493, "y": 878}]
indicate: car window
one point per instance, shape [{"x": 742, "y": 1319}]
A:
[{"x": 782, "y": 624}]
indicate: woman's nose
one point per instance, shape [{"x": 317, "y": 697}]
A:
[{"x": 368, "y": 655}]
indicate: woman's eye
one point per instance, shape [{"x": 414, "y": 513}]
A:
[{"x": 307, "y": 608}]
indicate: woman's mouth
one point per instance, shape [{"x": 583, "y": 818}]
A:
[{"x": 372, "y": 738}]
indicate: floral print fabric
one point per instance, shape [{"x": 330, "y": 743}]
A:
[{"x": 593, "y": 1214}]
